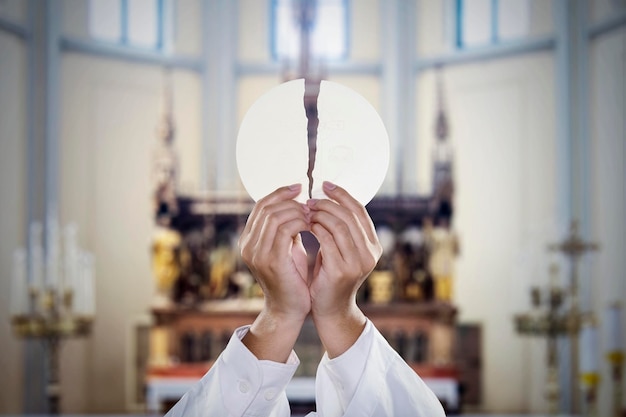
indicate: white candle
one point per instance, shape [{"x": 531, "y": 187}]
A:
[
  {"x": 19, "y": 287},
  {"x": 613, "y": 328},
  {"x": 52, "y": 251},
  {"x": 36, "y": 256},
  {"x": 70, "y": 260},
  {"x": 90, "y": 299},
  {"x": 588, "y": 348},
  {"x": 79, "y": 288}
]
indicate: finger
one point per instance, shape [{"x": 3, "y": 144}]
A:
[
  {"x": 277, "y": 213},
  {"x": 280, "y": 226},
  {"x": 341, "y": 196},
  {"x": 287, "y": 235},
  {"x": 340, "y": 220},
  {"x": 328, "y": 246},
  {"x": 343, "y": 234},
  {"x": 255, "y": 223},
  {"x": 280, "y": 194}
]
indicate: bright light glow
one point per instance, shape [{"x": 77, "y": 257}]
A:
[
  {"x": 105, "y": 20},
  {"x": 142, "y": 23},
  {"x": 328, "y": 36},
  {"x": 513, "y": 19},
  {"x": 476, "y": 24}
]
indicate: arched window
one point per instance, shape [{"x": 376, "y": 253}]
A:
[
  {"x": 486, "y": 22},
  {"x": 329, "y": 30},
  {"x": 139, "y": 23}
]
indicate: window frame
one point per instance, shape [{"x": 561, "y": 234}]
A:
[
  {"x": 124, "y": 40},
  {"x": 273, "y": 33}
]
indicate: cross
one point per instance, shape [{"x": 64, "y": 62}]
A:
[{"x": 573, "y": 246}]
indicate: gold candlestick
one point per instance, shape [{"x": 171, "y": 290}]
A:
[
  {"x": 51, "y": 322},
  {"x": 573, "y": 247},
  {"x": 589, "y": 382},
  {"x": 56, "y": 302},
  {"x": 551, "y": 323},
  {"x": 616, "y": 361}
]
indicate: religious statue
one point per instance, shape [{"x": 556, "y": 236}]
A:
[
  {"x": 444, "y": 248},
  {"x": 165, "y": 263},
  {"x": 223, "y": 264}
]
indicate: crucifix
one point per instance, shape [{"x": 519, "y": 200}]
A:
[
  {"x": 573, "y": 247},
  {"x": 304, "y": 14}
]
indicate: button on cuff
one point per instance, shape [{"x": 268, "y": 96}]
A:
[
  {"x": 270, "y": 394},
  {"x": 244, "y": 387}
]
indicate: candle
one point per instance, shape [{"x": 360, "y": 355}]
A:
[
  {"x": 85, "y": 285},
  {"x": 36, "y": 256},
  {"x": 90, "y": 298},
  {"x": 70, "y": 259},
  {"x": 588, "y": 348},
  {"x": 613, "y": 328},
  {"x": 52, "y": 251},
  {"x": 19, "y": 291}
]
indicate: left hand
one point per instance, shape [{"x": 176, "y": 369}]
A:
[{"x": 349, "y": 251}]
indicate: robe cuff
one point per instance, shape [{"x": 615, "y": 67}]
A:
[
  {"x": 345, "y": 371},
  {"x": 249, "y": 383}
]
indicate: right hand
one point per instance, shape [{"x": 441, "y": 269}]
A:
[{"x": 272, "y": 248}]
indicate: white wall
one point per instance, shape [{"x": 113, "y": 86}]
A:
[
  {"x": 110, "y": 114},
  {"x": 13, "y": 217},
  {"x": 501, "y": 116},
  {"x": 608, "y": 200}
]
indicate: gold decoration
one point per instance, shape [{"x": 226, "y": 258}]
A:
[{"x": 165, "y": 262}]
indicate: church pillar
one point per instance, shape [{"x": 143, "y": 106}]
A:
[
  {"x": 219, "y": 90},
  {"x": 398, "y": 86},
  {"x": 42, "y": 158},
  {"x": 573, "y": 159}
]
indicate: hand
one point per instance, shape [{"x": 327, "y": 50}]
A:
[
  {"x": 271, "y": 246},
  {"x": 349, "y": 251}
]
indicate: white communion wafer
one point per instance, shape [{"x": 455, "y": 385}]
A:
[{"x": 352, "y": 143}]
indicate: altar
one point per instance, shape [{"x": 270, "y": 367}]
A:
[{"x": 423, "y": 334}]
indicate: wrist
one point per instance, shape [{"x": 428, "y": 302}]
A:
[
  {"x": 338, "y": 330},
  {"x": 273, "y": 335}
]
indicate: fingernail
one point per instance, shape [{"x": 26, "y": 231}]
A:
[
  {"x": 329, "y": 185},
  {"x": 312, "y": 202},
  {"x": 295, "y": 187}
]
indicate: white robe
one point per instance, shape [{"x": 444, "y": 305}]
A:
[{"x": 368, "y": 380}]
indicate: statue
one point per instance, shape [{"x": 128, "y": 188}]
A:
[
  {"x": 165, "y": 264},
  {"x": 444, "y": 248}
]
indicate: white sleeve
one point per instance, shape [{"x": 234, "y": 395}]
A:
[
  {"x": 239, "y": 385},
  {"x": 371, "y": 379}
]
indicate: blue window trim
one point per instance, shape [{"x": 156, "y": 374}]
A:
[
  {"x": 460, "y": 9},
  {"x": 124, "y": 22},
  {"x": 159, "y": 45},
  {"x": 495, "y": 36},
  {"x": 160, "y": 26},
  {"x": 273, "y": 41},
  {"x": 459, "y": 24},
  {"x": 272, "y": 31}
]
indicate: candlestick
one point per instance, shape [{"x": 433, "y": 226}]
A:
[
  {"x": 615, "y": 354},
  {"x": 589, "y": 375},
  {"x": 589, "y": 346},
  {"x": 51, "y": 315},
  {"x": 613, "y": 320}
]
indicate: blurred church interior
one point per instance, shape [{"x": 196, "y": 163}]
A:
[{"x": 501, "y": 215}]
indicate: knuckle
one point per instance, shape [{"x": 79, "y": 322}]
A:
[{"x": 342, "y": 228}]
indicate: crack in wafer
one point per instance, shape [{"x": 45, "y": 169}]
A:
[{"x": 311, "y": 93}]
